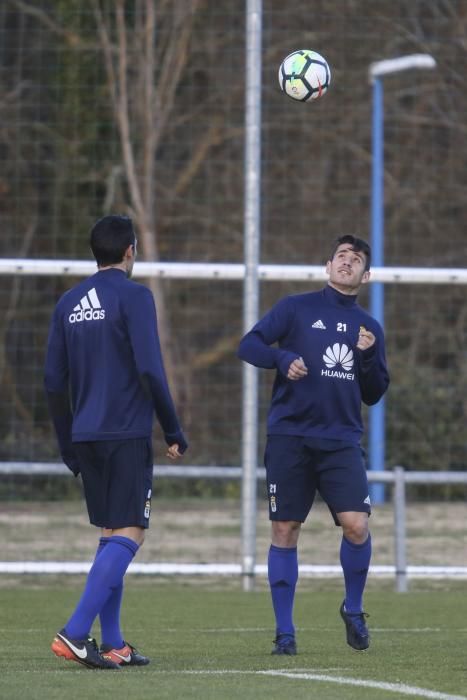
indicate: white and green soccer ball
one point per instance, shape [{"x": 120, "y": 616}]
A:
[{"x": 304, "y": 75}]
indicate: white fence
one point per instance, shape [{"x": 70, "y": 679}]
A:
[
  {"x": 232, "y": 271},
  {"x": 249, "y": 569},
  {"x": 401, "y": 570}
]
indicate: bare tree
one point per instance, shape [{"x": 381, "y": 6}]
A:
[{"x": 134, "y": 61}]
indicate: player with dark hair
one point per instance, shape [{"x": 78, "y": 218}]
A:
[
  {"x": 329, "y": 358},
  {"x": 105, "y": 379}
]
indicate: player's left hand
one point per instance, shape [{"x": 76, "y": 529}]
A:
[
  {"x": 173, "y": 452},
  {"x": 365, "y": 339}
]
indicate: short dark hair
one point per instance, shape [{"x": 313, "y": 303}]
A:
[
  {"x": 110, "y": 237},
  {"x": 357, "y": 244}
]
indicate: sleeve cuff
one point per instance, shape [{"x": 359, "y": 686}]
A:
[
  {"x": 285, "y": 360},
  {"x": 176, "y": 438}
]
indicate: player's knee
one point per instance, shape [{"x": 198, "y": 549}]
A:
[
  {"x": 285, "y": 533},
  {"x": 354, "y": 527},
  {"x": 356, "y": 532}
]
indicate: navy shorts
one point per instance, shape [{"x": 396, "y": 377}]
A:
[
  {"x": 117, "y": 480},
  {"x": 296, "y": 468}
]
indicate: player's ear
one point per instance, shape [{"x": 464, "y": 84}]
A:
[
  {"x": 130, "y": 251},
  {"x": 366, "y": 277},
  {"x": 328, "y": 267}
]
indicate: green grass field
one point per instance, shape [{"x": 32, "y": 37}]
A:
[{"x": 213, "y": 641}]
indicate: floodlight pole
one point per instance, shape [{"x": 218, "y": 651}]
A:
[{"x": 377, "y": 72}]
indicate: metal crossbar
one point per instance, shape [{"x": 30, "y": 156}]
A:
[{"x": 398, "y": 476}]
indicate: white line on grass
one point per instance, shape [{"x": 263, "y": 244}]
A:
[{"x": 400, "y": 688}]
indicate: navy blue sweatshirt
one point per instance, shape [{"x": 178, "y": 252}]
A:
[
  {"x": 322, "y": 328},
  {"x": 104, "y": 374}
]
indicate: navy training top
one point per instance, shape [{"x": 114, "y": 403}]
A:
[
  {"x": 322, "y": 328},
  {"x": 104, "y": 358}
]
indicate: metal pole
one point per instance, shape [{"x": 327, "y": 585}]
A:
[
  {"x": 377, "y": 71},
  {"x": 377, "y": 412},
  {"x": 400, "y": 530},
  {"x": 252, "y": 177}
]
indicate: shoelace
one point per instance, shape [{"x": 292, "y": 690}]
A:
[
  {"x": 358, "y": 620},
  {"x": 93, "y": 643}
]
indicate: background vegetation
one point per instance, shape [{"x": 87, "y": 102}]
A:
[{"x": 137, "y": 107}]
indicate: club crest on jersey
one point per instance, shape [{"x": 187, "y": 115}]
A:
[
  {"x": 88, "y": 309},
  {"x": 339, "y": 361}
]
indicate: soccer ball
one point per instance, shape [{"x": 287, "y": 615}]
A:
[{"x": 304, "y": 75}]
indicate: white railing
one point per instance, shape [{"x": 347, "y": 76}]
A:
[
  {"x": 232, "y": 271},
  {"x": 400, "y": 570},
  {"x": 237, "y": 271}
]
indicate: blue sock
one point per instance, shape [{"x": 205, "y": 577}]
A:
[
  {"x": 283, "y": 576},
  {"x": 106, "y": 574},
  {"x": 102, "y": 542},
  {"x": 109, "y": 615},
  {"x": 355, "y": 560}
]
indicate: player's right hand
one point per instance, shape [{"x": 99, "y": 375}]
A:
[{"x": 297, "y": 370}]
